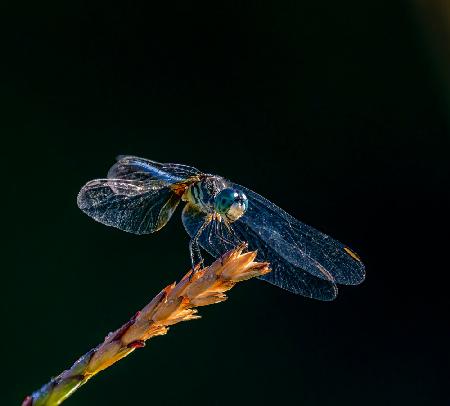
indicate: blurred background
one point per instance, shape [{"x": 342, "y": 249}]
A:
[{"x": 336, "y": 111}]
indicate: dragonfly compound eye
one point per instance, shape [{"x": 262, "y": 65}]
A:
[{"x": 231, "y": 203}]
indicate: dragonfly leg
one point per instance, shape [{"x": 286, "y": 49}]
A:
[
  {"x": 194, "y": 248},
  {"x": 235, "y": 240},
  {"x": 196, "y": 256}
]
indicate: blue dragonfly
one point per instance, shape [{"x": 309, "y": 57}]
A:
[{"x": 139, "y": 196}]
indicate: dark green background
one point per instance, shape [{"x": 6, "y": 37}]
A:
[{"x": 333, "y": 110}]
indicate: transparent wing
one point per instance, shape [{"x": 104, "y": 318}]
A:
[
  {"x": 134, "y": 168},
  {"x": 130, "y": 205},
  {"x": 266, "y": 225},
  {"x": 218, "y": 238}
]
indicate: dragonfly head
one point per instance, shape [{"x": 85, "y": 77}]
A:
[{"x": 231, "y": 203}]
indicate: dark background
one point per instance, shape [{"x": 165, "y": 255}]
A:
[{"x": 336, "y": 111}]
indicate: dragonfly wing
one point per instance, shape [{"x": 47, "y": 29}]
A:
[
  {"x": 134, "y": 168},
  {"x": 217, "y": 239},
  {"x": 130, "y": 205},
  {"x": 298, "y": 244}
]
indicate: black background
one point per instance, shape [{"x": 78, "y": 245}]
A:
[{"x": 333, "y": 110}]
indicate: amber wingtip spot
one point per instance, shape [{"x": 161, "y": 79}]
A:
[{"x": 352, "y": 254}]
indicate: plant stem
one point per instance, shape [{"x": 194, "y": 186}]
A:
[{"x": 173, "y": 304}]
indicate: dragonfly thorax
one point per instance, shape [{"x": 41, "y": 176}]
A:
[
  {"x": 212, "y": 195},
  {"x": 201, "y": 193}
]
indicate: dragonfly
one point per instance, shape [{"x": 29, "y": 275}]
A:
[{"x": 140, "y": 196}]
